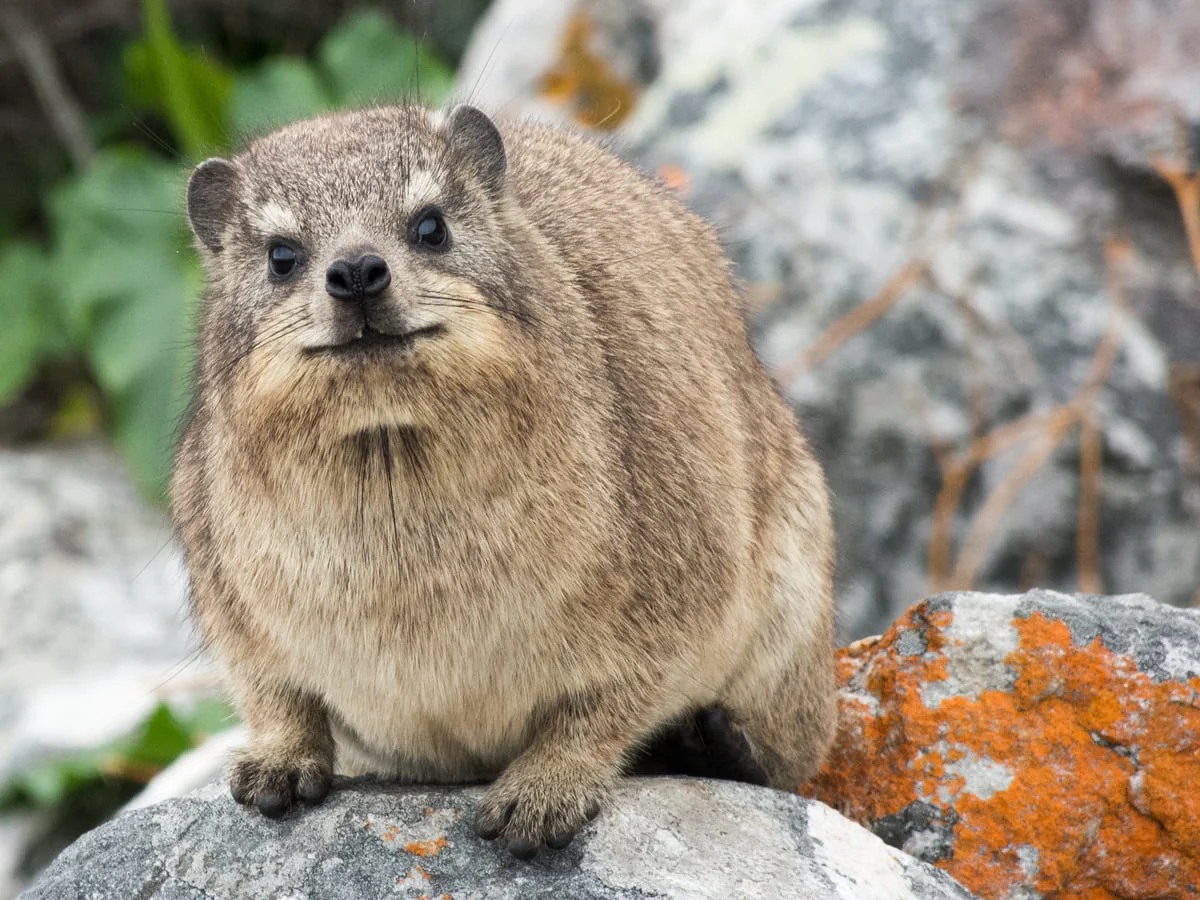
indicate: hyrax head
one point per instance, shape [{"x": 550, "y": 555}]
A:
[{"x": 360, "y": 270}]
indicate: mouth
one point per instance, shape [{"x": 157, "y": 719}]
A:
[{"x": 372, "y": 342}]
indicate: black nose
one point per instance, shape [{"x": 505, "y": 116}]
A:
[{"x": 357, "y": 279}]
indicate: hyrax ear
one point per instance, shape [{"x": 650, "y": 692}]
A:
[
  {"x": 210, "y": 198},
  {"x": 473, "y": 134}
]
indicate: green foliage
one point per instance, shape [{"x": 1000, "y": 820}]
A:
[
  {"x": 116, "y": 285},
  {"x": 126, "y": 278},
  {"x": 280, "y": 90},
  {"x": 153, "y": 745},
  {"x": 33, "y": 332},
  {"x": 365, "y": 60},
  {"x": 368, "y": 60},
  {"x": 182, "y": 84}
]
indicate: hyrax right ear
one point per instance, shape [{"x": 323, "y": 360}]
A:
[
  {"x": 210, "y": 198},
  {"x": 474, "y": 135}
]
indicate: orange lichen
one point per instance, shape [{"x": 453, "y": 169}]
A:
[
  {"x": 427, "y": 848},
  {"x": 585, "y": 81},
  {"x": 674, "y": 178},
  {"x": 1101, "y": 761}
]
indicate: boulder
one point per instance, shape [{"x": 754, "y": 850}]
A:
[
  {"x": 959, "y": 227},
  {"x": 668, "y": 838},
  {"x": 1033, "y": 746}
]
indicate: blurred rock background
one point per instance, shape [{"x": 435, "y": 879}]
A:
[{"x": 968, "y": 234}]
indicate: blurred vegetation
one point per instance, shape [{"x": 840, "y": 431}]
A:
[
  {"x": 99, "y": 300},
  {"x": 79, "y": 791}
]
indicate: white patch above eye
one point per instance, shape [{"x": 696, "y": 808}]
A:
[
  {"x": 272, "y": 218},
  {"x": 422, "y": 190}
]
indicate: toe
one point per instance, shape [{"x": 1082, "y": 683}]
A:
[
  {"x": 560, "y": 840},
  {"x": 522, "y": 848}
]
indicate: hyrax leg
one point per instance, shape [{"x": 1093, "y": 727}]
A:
[
  {"x": 785, "y": 702},
  {"x": 291, "y": 750},
  {"x": 564, "y": 777}
]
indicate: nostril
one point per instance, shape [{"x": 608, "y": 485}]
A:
[
  {"x": 375, "y": 275},
  {"x": 357, "y": 279},
  {"x": 340, "y": 281}
]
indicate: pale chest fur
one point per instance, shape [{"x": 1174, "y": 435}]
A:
[{"x": 419, "y": 623}]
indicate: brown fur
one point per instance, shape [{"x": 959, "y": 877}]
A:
[{"x": 518, "y": 548}]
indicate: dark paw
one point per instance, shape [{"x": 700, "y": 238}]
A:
[
  {"x": 274, "y": 788},
  {"x": 531, "y": 813},
  {"x": 705, "y": 744}
]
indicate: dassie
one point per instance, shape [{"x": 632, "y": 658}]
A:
[{"x": 482, "y": 479}]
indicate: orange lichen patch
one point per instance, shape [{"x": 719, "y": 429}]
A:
[
  {"x": 1077, "y": 782},
  {"x": 582, "y": 79},
  {"x": 674, "y": 178},
  {"x": 390, "y": 833},
  {"x": 427, "y": 848}
]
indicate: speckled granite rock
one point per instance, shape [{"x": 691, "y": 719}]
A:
[
  {"x": 1033, "y": 746},
  {"x": 667, "y": 838},
  {"x": 979, "y": 180}
]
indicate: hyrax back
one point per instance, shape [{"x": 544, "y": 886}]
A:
[{"x": 482, "y": 479}]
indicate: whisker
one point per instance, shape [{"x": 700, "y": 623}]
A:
[
  {"x": 475, "y": 303},
  {"x": 289, "y": 325}
]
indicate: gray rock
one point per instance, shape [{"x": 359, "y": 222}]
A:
[
  {"x": 995, "y": 145},
  {"x": 662, "y": 838},
  {"x": 92, "y": 600}
]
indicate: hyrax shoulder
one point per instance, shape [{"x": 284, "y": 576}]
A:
[{"x": 482, "y": 478}]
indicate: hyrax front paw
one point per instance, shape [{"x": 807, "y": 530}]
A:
[
  {"x": 529, "y": 808},
  {"x": 273, "y": 784}
]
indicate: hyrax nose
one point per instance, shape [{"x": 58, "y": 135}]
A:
[{"x": 357, "y": 279}]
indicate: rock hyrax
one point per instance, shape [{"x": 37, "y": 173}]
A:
[{"x": 482, "y": 479}]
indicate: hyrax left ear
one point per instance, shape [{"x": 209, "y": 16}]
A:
[
  {"x": 210, "y": 197},
  {"x": 472, "y": 134}
]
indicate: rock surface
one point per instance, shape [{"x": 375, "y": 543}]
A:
[
  {"x": 663, "y": 838},
  {"x": 92, "y": 601},
  {"x": 951, "y": 216},
  {"x": 1033, "y": 746}
]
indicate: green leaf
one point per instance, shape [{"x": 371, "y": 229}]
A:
[
  {"x": 369, "y": 60},
  {"x": 47, "y": 783},
  {"x": 161, "y": 738},
  {"x": 279, "y": 91},
  {"x": 128, "y": 278},
  {"x": 31, "y": 332},
  {"x": 183, "y": 84},
  {"x": 154, "y": 744}
]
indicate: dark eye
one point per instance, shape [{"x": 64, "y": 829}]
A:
[
  {"x": 282, "y": 260},
  {"x": 429, "y": 230}
]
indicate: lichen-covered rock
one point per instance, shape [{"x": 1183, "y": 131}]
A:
[
  {"x": 956, "y": 220},
  {"x": 1042, "y": 745},
  {"x": 665, "y": 838}
]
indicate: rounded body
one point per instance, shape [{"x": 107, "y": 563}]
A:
[{"x": 534, "y": 504}]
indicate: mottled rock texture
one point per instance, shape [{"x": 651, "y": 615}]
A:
[
  {"x": 959, "y": 226},
  {"x": 664, "y": 838},
  {"x": 1033, "y": 746},
  {"x": 92, "y": 603}
]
